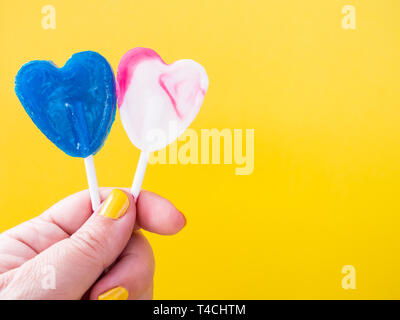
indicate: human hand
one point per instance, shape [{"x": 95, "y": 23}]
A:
[{"x": 69, "y": 253}]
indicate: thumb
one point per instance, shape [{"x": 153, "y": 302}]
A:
[{"x": 70, "y": 267}]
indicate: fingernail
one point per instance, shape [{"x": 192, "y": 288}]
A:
[
  {"x": 116, "y": 205},
  {"x": 184, "y": 219},
  {"x": 117, "y": 293}
]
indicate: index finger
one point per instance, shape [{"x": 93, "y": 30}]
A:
[{"x": 154, "y": 213}]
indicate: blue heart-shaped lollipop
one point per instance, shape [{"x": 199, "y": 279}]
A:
[{"x": 74, "y": 106}]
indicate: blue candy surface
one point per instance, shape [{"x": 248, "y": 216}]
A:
[{"x": 74, "y": 106}]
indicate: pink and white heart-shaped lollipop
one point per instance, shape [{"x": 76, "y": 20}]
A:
[{"x": 153, "y": 97}]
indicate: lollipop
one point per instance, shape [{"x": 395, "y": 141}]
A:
[
  {"x": 152, "y": 95},
  {"x": 74, "y": 106}
]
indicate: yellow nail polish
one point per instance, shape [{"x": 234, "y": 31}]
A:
[
  {"x": 116, "y": 205},
  {"x": 117, "y": 293}
]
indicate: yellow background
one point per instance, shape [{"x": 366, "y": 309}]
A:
[{"x": 325, "y": 106}]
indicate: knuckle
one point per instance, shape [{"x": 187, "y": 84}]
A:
[
  {"x": 149, "y": 263},
  {"x": 87, "y": 243},
  {"x": 4, "y": 288},
  {"x": 3, "y": 282},
  {"x": 152, "y": 264},
  {"x": 19, "y": 285}
]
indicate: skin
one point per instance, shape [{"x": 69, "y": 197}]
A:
[{"x": 90, "y": 254}]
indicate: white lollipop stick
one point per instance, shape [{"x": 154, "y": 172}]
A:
[
  {"x": 139, "y": 174},
  {"x": 92, "y": 181},
  {"x": 151, "y": 96}
]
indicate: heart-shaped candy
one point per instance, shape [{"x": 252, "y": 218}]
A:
[
  {"x": 74, "y": 106},
  {"x": 154, "y": 97}
]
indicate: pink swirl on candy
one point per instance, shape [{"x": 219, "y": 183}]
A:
[
  {"x": 152, "y": 95},
  {"x": 127, "y": 66}
]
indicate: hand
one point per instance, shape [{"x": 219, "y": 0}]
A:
[{"x": 69, "y": 253}]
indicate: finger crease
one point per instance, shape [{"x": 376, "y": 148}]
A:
[
  {"x": 53, "y": 221},
  {"x": 20, "y": 240}
]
